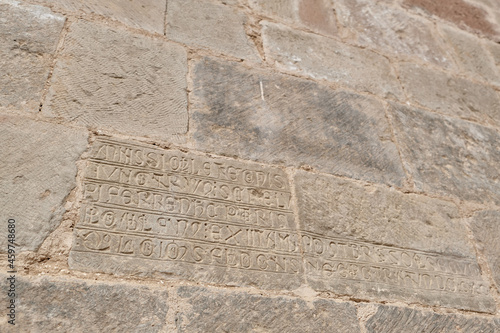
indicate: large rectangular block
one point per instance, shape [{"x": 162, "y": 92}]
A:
[
  {"x": 37, "y": 173},
  {"x": 391, "y": 319},
  {"x": 373, "y": 242},
  {"x": 391, "y": 30},
  {"x": 143, "y": 14},
  {"x": 28, "y": 41},
  {"x": 59, "y": 305},
  {"x": 486, "y": 228},
  {"x": 449, "y": 156},
  {"x": 112, "y": 79},
  {"x": 284, "y": 120},
  {"x": 164, "y": 213},
  {"x": 213, "y": 26},
  {"x": 450, "y": 95},
  {"x": 211, "y": 310},
  {"x": 324, "y": 58}
]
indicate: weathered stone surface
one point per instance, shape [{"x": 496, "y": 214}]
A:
[
  {"x": 449, "y": 156},
  {"x": 324, "y": 58},
  {"x": 37, "y": 172},
  {"x": 55, "y": 305},
  {"x": 460, "y": 12},
  {"x": 317, "y": 15},
  {"x": 370, "y": 241},
  {"x": 28, "y": 41},
  {"x": 168, "y": 214},
  {"x": 391, "y": 30},
  {"x": 216, "y": 311},
  {"x": 486, "y": 228},
  {"x": 450, "y": 95},
  {"x": 284, "y": 120},
  {"x": 391, "y": 319},
  {"x": 471, "y": 55},
  {"x": 143, "y": 14},
  {"x": 208, "y": 25},
  {"x": 114, "y": 80}
]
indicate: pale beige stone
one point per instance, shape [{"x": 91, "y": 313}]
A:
[
  {"x": 112, "y": 79},
  {"x": 283, "y": 120},
  {"x": 450, "y": 95},
  {"x": 448, "y": 156},
  {"x": 173, "y": 215},
  {"x": 324, "y": 58},
  {"x": 28, "y": 40},
  {"x": 143, "y": 14},
  {"x": 392, "y": 31},
  {"x": 213, "y": 26},
  {"x": 37, "y": 173},
  {"x": 212, "y": 310},
  {"x": 49, "y": 304},
  {"x": 486, "y": 228},
  {"x": 471, "y": 54},
  {"x": 374, "y": 242}
]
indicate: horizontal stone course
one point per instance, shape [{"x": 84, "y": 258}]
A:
[
  {"x": 28, "y": 42},
  {"x": 448, "y": 156},
  {"x": 283, "y": 120},
  {"x": 37, "y": 173},
  {"x": 324, "y": 58},
  {"x": 111, "y": 79}
]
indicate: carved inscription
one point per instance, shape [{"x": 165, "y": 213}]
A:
[{"x": 168, "y": 206}]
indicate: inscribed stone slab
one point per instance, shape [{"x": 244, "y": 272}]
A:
[
  {"x": 284, "y": 120},
  {"x": 371, "y": 241},
  {"x": 164, "y": 213}
]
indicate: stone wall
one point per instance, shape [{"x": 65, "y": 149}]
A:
[{"x": 250, "y": 166}]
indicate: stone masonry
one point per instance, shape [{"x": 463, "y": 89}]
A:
[{"x": 250, "y": 166}]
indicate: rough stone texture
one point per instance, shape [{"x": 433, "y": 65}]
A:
[
  {"x": 391, "y": 319},
  {"x": 324, "y": 58},
  {"x": 55, "y": 305},
  {"x": 486, "y": 228},
  {"x": 284, "y": 120},
  {"x": 167, "y": 214},
  {"x": 37, "y": 172},
  {"x": 216, "y": 311},
  {"x": 28, "y": 41},
  {"x": 143, "y": 14},
  {"x": 213, "y": 26},
  {"x": 459, "y": 12},
  {"x": 317, "y": 15},
  {"x": 471, "y": 55},
  {"x": 450, "y": 95},
  {"x": 370, "y": 241},
  {"x": 391, "y": 30},
  {"x": 114, "y": 80},
  {"x": 449, "y": 156}
]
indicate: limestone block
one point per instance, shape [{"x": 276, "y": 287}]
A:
[
  {"x": 111, "y": 79},
  {"x": 28, "y": 41},
  {"x": 316, "y": 15},
  {"x": 62, "y": 305},
  {"x": 450, "y": 95},
  {"x": 486, "y": 228},
  {"x": 218, "y": 311},
  {"x": 449, "y": 156},
  {"x": 37, "y": 173},
  {"x": 391, "y": 319},
  {"x": 208, "y": 25},
  {"x": 471, "y": 55},
  {"x": 391, "y": 30},
  {"x": 373, "y": 242},
  {"x": 173, "y": 215},
  {"x": 324, "y": 58},
  {"x": 143, "y": 14},
  {"x": 283, "y": 120}
]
